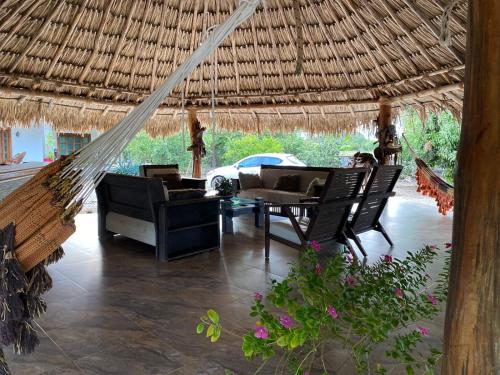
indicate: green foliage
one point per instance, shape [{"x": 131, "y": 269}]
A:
[
  {"x": 436, "y": 142},
  {"x": 317, "y": 150},
  {"x": 211, "y": 323},
  {"x": 224, "y": 187},
  {"x": 359, "y": 307},
  {"x": 242, "y": 147}
]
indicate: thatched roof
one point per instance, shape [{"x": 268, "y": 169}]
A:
[{"x": 85, "y": 63}]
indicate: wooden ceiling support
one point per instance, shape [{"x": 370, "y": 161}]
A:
[{"x": 472, "y": 326}]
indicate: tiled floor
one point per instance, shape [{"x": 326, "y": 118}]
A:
[{"x": 115, "y": 310}]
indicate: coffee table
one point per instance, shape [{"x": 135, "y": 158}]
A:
[{"x": 239, "y": 206}]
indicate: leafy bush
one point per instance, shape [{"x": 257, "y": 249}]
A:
[
  {"x": 359, "y": 307},
  {"x": 436, "y": 142}
]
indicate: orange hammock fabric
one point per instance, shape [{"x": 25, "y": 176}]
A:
[{"x": 429, "y": 183}]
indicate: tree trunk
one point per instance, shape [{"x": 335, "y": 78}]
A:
[
  {"x": 384, "y": 121},
  {"x": 472, "y": 329},
  {"x": 193, "y": 131}
]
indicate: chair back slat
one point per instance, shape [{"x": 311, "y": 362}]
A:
[
  {"x": 338, "y": 195},
  {"x": 379, "y": 188}
]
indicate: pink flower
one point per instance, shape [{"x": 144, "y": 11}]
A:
[
  {"x": 317, "y": 269},
  {"x": 399, "y": 293},
  {"x": 307, "y": 373},
  {"x": 261, "y": 332},
  {"x": 432, "y": 299},
  {"x": 349, "y": 259},
  {"x": 423, "y": 331},
  {"x": 257, "y": 296},
  {"x": 351, "y": 280},
  {"x": 387, "y": 259},
  {"x": 316, "y": 246},
  {"x": 433, "y": 247},
  {"x": 332, "y": 312},
  {"x": 286, "y": 321},
  {"x": 448, "y": 245}
]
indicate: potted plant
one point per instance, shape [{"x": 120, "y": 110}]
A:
[{"x": 224, "y": 188}]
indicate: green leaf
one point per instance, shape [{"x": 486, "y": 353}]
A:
[
  {"x": 213, "y": 316},
  {"x": 409, "y": 370},
  {"x": 210, "y": 330},
  {"x": 216, "y": 335},
  {"x": 200, "y": 328},
  {"x": 295, "y": 341},
  {"x": 282, "y": 341}
]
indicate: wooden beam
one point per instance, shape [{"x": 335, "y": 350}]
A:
[
  {"x": 138, "y": 44},
  {"x": 472, "y": 326},
  {"x": 158, "y": 46},
  {"x": 408, "y": 33},
  {"x": 67, "y": 37},
  {"x": 97, "y": 42},
  {"x": 208, "y": 61},
  {"x": 120, "y": 43},
  {"x": 194, "y": 131},
  {"x": 413, "y": 6}
]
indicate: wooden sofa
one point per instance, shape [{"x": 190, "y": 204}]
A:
[{"x": 136, "y": 207}]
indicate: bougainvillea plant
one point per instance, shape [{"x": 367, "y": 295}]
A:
[{"x": 343, "y": 301}]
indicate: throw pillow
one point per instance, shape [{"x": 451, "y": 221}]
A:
[
  {"x": 287, "y": 182},
  {"x": 172, "y": 180},
  {"x": 249, "y": 181},
  {"x": 312, "y": 186},
  {"x": 185, "y": 194}
]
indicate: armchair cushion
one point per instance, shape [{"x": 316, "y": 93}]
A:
[
  {"x": 185, "y": 194},
  {"x": 151, "y": 172},
  {"x": 289, "y": 182},
  {"x": 172, "y": 180},
  {"x": 250, "y": 181},
  {"x": 311, "y": 190}
]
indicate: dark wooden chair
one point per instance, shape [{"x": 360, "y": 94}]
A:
[
  {"x": 149, "y": 170},
  {"x": 377, "y": 192},
  {"x": 328, "y": 215}
]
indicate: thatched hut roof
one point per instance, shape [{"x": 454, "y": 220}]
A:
[{"x": 84, "y": 63}]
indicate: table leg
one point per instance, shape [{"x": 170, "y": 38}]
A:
[
  {"x": 227, "y": 219},
  {"x": 259, "y": 212}
]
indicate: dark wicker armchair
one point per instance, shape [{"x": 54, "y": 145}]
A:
[{"x": 327, "y": 216}]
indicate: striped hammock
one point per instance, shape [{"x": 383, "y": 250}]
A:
[{"x": 429, "y": 183}]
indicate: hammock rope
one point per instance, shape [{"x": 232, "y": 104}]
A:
[
  {"x": 429, "y": 183},
  {"x": 38, "y": 217}
]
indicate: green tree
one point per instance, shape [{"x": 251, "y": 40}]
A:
[{"x": 240, "y": 148}]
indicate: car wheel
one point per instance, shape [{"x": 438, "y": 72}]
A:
[{"x": 216, "y": 180}]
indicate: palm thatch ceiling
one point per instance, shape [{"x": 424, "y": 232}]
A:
[{"x": 86, "y": 63}]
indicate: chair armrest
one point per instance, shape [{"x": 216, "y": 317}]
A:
[
  {"x": 312, "y": 199},
  {"x": 311, "y": 204},
  {"x": 194, "y": 183}
]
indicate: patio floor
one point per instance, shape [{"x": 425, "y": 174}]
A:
[{"x": 115, "y": 310}]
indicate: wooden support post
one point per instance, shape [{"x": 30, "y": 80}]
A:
[
  {"x": 194, "y": 129},
  {"x": 472, "y": 328},
  {"x": 384, "y": 121}
]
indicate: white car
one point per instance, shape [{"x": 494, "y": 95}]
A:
[{"x": 251, "y": 164}]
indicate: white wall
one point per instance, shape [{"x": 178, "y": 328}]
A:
[{"x": 30, "y": 140}]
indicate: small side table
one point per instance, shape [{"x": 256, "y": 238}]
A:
[{"x": 230, "y": 210}]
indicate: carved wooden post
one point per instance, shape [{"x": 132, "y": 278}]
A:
[
  {"x": 472, "y": 329},
  {"x": 193, "y": 131},
  {"x": 384, "y": 121}
]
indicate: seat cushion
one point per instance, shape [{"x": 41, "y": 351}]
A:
[
  {"x": 288, "y": 182},
  {"x": 273, "y": 196},
  {"x": 185, "y": 194},
  {"x": 172, "y": 180},
  {"x": 150, "y": 172},
  {"x": 249, "y": 181},
  {"x": 285, "y": 230}
]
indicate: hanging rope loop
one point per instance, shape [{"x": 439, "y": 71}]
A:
[{"x": 445, "y": 38}]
